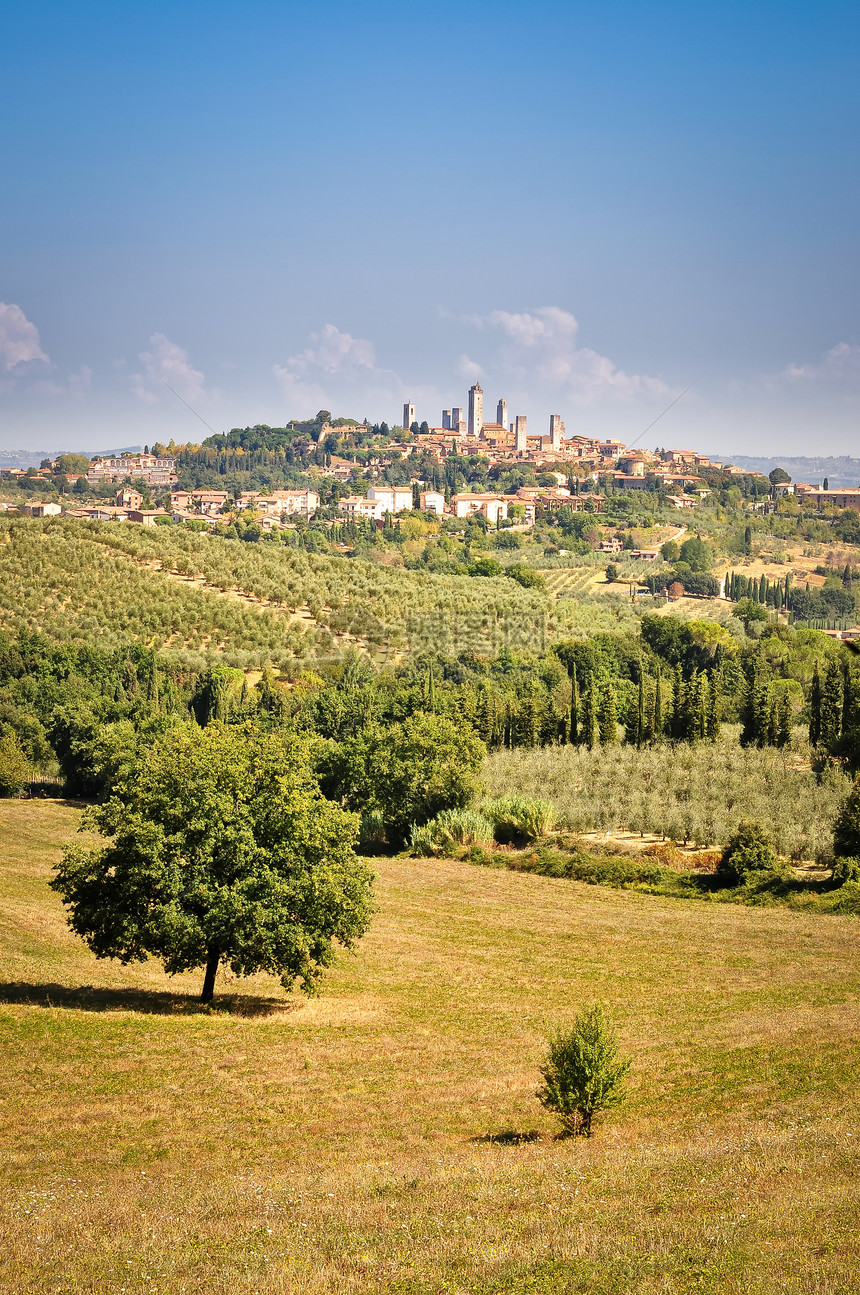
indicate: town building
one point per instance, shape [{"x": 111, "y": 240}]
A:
[
  {"x": 556, "y": 431},
  {"x": 150, "y": 468},
  {"x": 393, "y": 499},
  {"x": 476, "y": 410},
  {"x": 432, "y": 501},
  {"x": 833, "y": 498},
  {"x": 147, "y": 516},
  {"x": 493, "y": 507},
  {"x": 408, "y": 414},
  {"x": 521, "y": 434},
  {"x": 359, "y": 508},
  {"x": 41, "y": 509}
]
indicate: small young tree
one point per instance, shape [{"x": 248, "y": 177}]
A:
[{"x": 584, "y": 1071}]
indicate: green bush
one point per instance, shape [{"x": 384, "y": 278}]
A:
[
  {"x": 750, "y": 850},
  {"x": 451, "y": 827},
  {"x": 526, "y": 576},
  {"x": 612, "y": 870},
  {"x": 846, "y": 828},
  {"x": 15, "y": 771},
  {"x": 583, "y": 1072},
  {"x": 519, "y": 819},
  {"x": 845, "y": 869}
]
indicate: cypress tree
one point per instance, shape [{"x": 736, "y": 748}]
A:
[
  {"x": 713, "y": 724},
  {"x": 547, "y": 720},
  {"x": 847, "y": 695},
  {"x": 749, "y": 719},
  {"x": 608, "y": 717},
  {"x": 677, "y": 725},
  {"x": 831, "y": 704},
  {"x": 152, "y": 688},
  {"x": 573, "y": 729},
  {"x": 650, "y": 709},
  {"x": 658, "y": 705},
  {"x": 783, "y": 731},
  {"x": 589, "y": 715},
  {"x": 640, "y": 709}
]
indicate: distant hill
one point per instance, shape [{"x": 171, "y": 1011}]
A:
[
  {"x": 22, "y": 458},
  {"x": 32, "y": 458},
  {"x": 841, "y": 472}
]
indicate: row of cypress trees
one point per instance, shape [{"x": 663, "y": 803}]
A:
[
  {"x": 678, "y": 708},
  {"x": 770, "y": 593}
]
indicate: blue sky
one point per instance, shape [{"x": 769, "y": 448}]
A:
[{"x": 278, "y": 207}]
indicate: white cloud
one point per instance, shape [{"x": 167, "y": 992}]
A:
[
  {"x": 468, "y": 369},
  {"x": 337, "y": 366},
  {"x": 166, "y": 363},
  {"x": 543, "y": 344},
  {"x": 841, "y": 364},
  {"x": 331, "y": 352},
  {"x": 19, "y": 338}
]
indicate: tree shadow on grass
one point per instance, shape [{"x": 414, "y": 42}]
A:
[
  {"x": 509, "y": 1138},
  {"x": 151, "y": 1002}
]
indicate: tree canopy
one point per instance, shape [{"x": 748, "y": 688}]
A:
[{"x": 220, "y": 845}]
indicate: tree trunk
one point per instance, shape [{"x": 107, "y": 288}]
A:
[{"x": 211, "y": 972}]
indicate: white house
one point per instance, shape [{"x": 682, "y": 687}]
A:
[
  {"x": 357, "y": 508},
  {"x": 493, "y": 507},
  {"x": 394, "y": 499},
  {"x": 432, "y": 501}
]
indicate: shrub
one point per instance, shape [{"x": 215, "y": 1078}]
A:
[
  {"x": 583, "y": 1072},
  {"x": 372, "y": 828},
  {"x": 750, "y": 849},
  {"x": 526, "y": 576},
  {"x": 518, "y": 819},
  {"x": 15, "y": 771},
  {"x": 846, "y": 828},
  {"x": 845, "y": 869},
  {"x": 451, "y": 827}
]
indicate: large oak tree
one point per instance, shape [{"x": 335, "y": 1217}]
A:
[{"x": 220, "y": 846}]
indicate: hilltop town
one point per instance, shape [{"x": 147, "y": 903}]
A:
[{"x": 363, "y": 472}]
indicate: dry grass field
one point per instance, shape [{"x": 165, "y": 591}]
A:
[{"x": 364, "y": 1141}]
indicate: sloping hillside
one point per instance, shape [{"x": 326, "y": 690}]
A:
[{"x": 385, "y": 1137}]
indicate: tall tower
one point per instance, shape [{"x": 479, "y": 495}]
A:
[
  {"x": 556, "y": 431},
  {"x": 446, "y": 419},
  {"x": 458, "y": 423},
  {"x": 520, "y": 434},
  {"x": 476, "y": 410},
  {"x": 502, "y": 412},
  {"x": 408, "y": 415}
]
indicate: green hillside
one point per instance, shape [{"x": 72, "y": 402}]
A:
[{"x": 193, "y": 593}]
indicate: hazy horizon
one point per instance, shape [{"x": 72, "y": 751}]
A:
[{"x": 277, "y": 208}]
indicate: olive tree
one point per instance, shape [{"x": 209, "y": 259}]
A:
[{"x": 219, "y": 846}]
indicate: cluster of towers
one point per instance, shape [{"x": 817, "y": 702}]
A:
[{"x": 474, "y": 426}]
